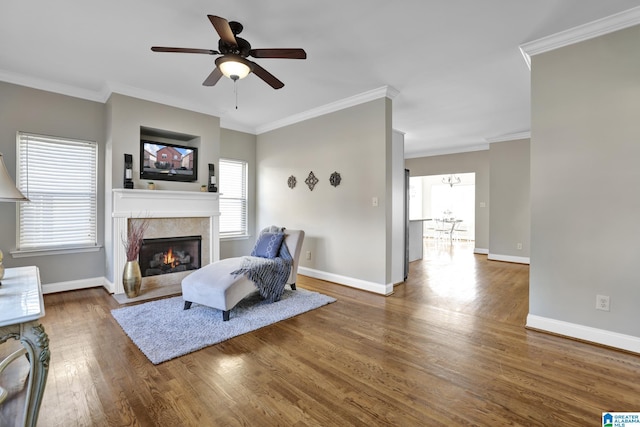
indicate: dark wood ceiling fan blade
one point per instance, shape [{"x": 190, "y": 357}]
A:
[
  {"x": 223, "y": 29},
  {"x": 213, "y": 77},
  {"x": 269, "y": 78},
  {"x": 184, "y": 50},
  {"x": 279, "y": 53}
]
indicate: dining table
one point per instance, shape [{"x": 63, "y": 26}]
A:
[{"x": 453, "y": 222}]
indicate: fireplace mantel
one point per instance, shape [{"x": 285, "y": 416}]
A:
[
  {"x": 163, "y": 203},
  {"x": 129, "y": 204}
]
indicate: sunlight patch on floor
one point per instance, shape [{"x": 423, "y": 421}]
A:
[{"x": 453, "y": 270}]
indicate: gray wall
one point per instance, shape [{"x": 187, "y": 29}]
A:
[
  {"x": 475, "y": 161},
  {"x": 125, "y": 115},
  {"x": 585, "y": 182},
  {"x": 510, "y": 209},
  {"x": 36, "y": 111},
  {"x": 346, "y": 235},
  {"x": 241, "y": 146}
]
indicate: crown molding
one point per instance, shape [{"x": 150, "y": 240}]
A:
[
  {"x": 122, "y": 89},
  {"x": 103, "y": 95},
  {"x": 49, "y": 86},
  {"x": 382, "y": 92},
  {"x": 231, "y": 125},
  {"x": 445, "y": 151},
  {"x": 470, "y": 148},
  {"x": 510, "y": 137},
  {"x": 110, "y": 88},
  {"x": 580, "y": 33}
]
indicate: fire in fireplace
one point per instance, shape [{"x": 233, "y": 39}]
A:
[{"x": 170, "y": 255}]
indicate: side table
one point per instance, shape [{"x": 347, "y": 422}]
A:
[{"x": 21, "y": 307}]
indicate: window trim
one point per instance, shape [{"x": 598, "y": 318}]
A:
[
  {"x": 243, "y": 235},
  {"x": 22, "y": 157},
  {"x": 27, "y": 253}
]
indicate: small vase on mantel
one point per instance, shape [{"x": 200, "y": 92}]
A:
[{"x": 131, "y": 279}]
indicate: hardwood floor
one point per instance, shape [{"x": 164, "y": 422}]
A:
[{"x": 449, "y": 347}]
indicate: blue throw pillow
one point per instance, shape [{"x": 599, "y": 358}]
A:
[{"x": 268, "y": 245}]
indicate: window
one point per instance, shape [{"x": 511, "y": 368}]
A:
[
  {"x": 59, "y": 176},
  {"x": 233, "y": 198}
]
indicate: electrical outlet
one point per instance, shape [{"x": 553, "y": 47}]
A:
[
  {"x": 519, "y": 246},
  {"x": 602, "y": 302},
  {"x": 308, "y": 254},
  {"x": 374, "y": 201}
]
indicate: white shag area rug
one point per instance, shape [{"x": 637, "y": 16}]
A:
[{"x": 163, "y": 330}]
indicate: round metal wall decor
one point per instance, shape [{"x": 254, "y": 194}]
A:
[
  {"x": 291, "y": 182},
  {"x": 311, "y": 181},
  {"x": 335, "y": 179}
]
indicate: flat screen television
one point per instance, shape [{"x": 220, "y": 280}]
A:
[{"x": 168, "y": 162}]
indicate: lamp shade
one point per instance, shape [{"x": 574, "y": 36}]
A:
[
  {"x": 233, "y": 66},
  {"x": 8, "y": 190}
]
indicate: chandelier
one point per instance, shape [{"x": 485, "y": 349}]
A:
[{"x": 451, "y": 180}]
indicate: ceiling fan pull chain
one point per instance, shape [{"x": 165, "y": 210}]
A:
[{"x": 235, "y": 91}]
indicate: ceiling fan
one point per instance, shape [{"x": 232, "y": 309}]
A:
[{"x": 234, "y": 50}]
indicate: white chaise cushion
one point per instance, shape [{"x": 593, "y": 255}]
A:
[{"x": 215, "y": 286}]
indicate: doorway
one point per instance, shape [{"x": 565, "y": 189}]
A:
[{"x": 439, "y": 198}]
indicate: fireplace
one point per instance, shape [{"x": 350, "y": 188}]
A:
[
  {"x": 171, "y": 213},
  {"x": 170, "y": 255}
]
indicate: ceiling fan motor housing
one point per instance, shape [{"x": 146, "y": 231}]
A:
[
  {"x": 236, "y": 27},
  {"x": 242, "y": 48}
]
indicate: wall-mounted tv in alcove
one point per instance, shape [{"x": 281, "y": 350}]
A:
[{"x": 168, "y": 162}]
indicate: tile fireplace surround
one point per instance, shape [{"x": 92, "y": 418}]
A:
[{"x": 168, "y": 210}]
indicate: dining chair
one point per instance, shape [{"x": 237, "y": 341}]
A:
[
  {"x": 460, "y": 232},
  {"x": 441, "y": 229}
]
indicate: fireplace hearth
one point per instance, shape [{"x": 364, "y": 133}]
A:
[{"x": 170, "y": 255}]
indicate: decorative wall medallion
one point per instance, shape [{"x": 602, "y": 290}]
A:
[
  {"x": 335, "y": 179},
  {"x": 311, "y": 181},
  {"x": 291, "y": 182}
]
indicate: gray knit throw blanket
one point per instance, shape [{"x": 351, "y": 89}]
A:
[{"x": 269, "y": 275}]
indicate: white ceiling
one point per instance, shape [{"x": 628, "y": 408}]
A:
[{"x": 455, "y": 64}]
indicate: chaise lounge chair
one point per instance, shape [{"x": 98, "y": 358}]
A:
[{"x": 215, "y": 286}]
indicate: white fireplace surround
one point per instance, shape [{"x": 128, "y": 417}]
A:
[{"x": 129, "y": 204}]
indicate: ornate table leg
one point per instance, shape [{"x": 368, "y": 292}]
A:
[{"x": 36, "y": 342}]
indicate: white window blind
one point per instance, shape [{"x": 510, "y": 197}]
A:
[
  {"x": 233, "y": 198},
  {"x": 59, "y": 176}
]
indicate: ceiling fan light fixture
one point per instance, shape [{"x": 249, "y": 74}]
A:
[{"x": 234, "y": 67}]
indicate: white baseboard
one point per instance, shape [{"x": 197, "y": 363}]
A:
[
  {"x": 109, "y": 286},
  {"x": 73, "y": 285},
  {"x": 348, "y": 281},
  {"x": 509, "y": 258},
  {"x": 481, "y": 251},
  {"x": 585, "y": 333}
]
